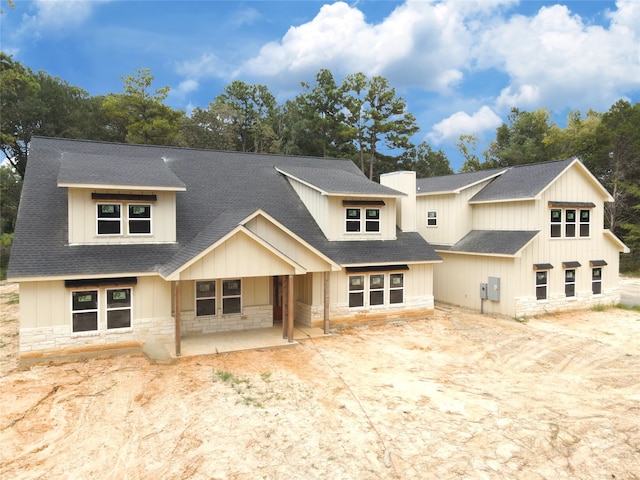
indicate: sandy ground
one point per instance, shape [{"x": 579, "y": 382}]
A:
[{"x": 456, "y": 395}]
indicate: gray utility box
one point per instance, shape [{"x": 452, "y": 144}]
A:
[
  {"x": 493, "y": 290},
  {"x": 483, "y": 291}
]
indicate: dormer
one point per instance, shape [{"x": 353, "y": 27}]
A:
[
  {"x": 114, "y": 200},
  {"x": 344, "y": 203}
]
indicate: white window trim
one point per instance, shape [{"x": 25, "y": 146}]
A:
[
  {"x": 150, "y": 219},
  {"x": 362, "y": 229},
  {"x": 578, "y": 223},
  {"x": 596, "y": 281},
  {"x": 366, "y": 290},
  {"x": 223, "y": 296},
  {"x": 113, "y": 309},
  {"x": 101, "y": 312},
  {"x": 125, "y": 219},
  {"x": 107, "y": 219},
  {"x": 546, "y": 285},
  {"x": 574, "y": 283},
  {"x": 435, "y": 217},
  {"x": 214, "y": 297}
]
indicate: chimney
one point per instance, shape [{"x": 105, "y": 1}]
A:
[{"x": 405, "y": 182}]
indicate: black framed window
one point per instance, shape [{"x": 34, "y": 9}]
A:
[
  {"x": 585, "y": 223},
  {"x": 139, "y": 219},
  {"x": 84, "y": 310},
  {"x": 570, "y": 283},
  {"x": 376, "y": 289},
  {"x": 118, "y": 308},
  {"x": 109, "y": 218},
  {"x": 596, "y": 280},
  {"x": 372, "y": 220},
  {"x": 206, "y": 298},
  {"x": 356, "y": 291},
  {"x": 396, "y": 288},
  {"x": 432, "y": 218},
  {"x": 231, "y": 296},
  {"x": 542, "y": 283},
  {"x": 570, "y": 223},
  {"x": 353, "y": 219}
]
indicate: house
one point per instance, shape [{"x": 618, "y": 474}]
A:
[
  {"x": 521, "y": 240},
  {"x": 119, "y": 245}
]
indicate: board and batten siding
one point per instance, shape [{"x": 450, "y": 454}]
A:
[
  {"x": 83, "y": 218},
  {"x": 315, "y": 202},
  {"x": 337, "y": 216},
  {"x": 238, "y": 257},
  {"x": 284, "y": 242},
  {"x": 455, "y": 215}
]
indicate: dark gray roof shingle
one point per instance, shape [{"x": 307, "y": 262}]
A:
[
  {"x": 494, "y": 242},
  {"x": 222, "y": 188},
  {"x": 453, "y": 183},
  {"x": 522, "y": 181}
]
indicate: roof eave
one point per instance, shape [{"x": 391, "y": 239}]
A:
[{"x": 120, "y": 187}]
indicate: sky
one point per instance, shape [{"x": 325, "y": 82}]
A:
[{"x": 460, "y": 65}]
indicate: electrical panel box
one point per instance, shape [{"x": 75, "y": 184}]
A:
[
  {"x": 483, "y": 291},
  {"x": 493, "y": 291}
]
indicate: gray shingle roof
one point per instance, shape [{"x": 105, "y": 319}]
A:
[
  {"x": 91, "y": 169},
  {"x": 338, "y": 181},
  {"x": 494, "y": 242},
  {"x": 522, "y": 181},
  {"x": 454, "y": 183},
  {"x": 222, "y": 188}
]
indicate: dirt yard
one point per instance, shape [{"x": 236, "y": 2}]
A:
[{"x": 456, "y": 395}]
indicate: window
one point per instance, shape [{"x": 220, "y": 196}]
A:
[
  {"x": 373, "y": 220},
  {"x": 596, "y": 281},
  {"x": 139, "y": 219},
  {"x": 396, "y": 288},
  {"x": 556, "y": 223},
  {"x": 119, "y": 308},
  {"x": 570, "y": 223},
  {"x": 432, "y": 218},
  {"x": 109, "y": 219},
  {"x": 584, "y": 223},
  {"x": 84, "y": 310},
  {"x": 354, "y": 217},
  {"x": 205, "y": 298},
  {"x": 570, "y": 283},
  {"x": 541, "y": 284},
  {"x": 356, "y": 291},
  {"x": 231, "y": 296},
  {"x": 376, "y": 289}
]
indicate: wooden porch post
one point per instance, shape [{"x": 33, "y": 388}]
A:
[
  {"x": 327, "y": 295},
  {"x": 285, "y": 305},
  {"x": 178, "y": 308},
  {"x": 290, "y": 305}
]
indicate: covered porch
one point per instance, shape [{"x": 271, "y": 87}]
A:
[{"x": 233, "y": 341}]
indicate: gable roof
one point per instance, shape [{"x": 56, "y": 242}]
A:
[
  {"x": 222, "y": 190},
  {"x": 522, "y": 181},
  {"x": 493, "y": 242},
  {"x": 337, "y": 182},
  {"x": 101, "y": 170},
  {"x": 454, "y": 183}
]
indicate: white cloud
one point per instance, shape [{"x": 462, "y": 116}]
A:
[
  {"x": 423, "y": 44},
  {"x": 553, "y": 59},
  {"x": 57, "y": 15},
  {"x": 208, "y": 65},
  {"x": 449, "y": 129}
]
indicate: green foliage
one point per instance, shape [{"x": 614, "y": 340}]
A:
[
  {"x": 10, "y": 188},
  {"x": 426, "y": 162},
  {"x": 248, "y": 393},
  {"x": 6, "y": 239}
]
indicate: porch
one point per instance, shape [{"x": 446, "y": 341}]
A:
[{"x": 233, "y": 341}]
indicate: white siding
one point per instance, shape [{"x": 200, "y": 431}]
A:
[{"x": 83, "y": 218}]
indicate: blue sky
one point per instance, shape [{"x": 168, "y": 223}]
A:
[{"x": 460, "y": 65}]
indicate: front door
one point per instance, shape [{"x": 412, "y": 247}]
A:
[{"x": 277, "y": 299}]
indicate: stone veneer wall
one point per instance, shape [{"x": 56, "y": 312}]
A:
[
  {"x": 60, "y": 340},
  {"x": 341, "y": 314},
  {"x": 530, "y": 306},
  {"x": 260, "y": 316}
]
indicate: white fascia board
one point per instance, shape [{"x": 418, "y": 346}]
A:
[{"x": 121, "y": 187}]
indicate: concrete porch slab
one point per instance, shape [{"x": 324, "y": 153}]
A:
[{"x": 233, "y": 341}]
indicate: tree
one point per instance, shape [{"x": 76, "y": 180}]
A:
[
  {"x": 386, "y": 119},
  {"x": 522, "y": 141},
  {"x": 139, "y": 116},
  {"x": 354, "y": 88},
  {"x": 467, "y": 145},
  {"x": 253, "y": 106},
  {"x": 10, "y": 188},
  {"x": 217, "y": 127},
  {"x": 426, "y": 162}
]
